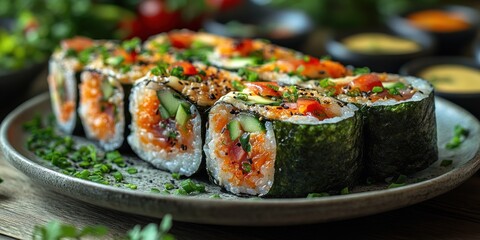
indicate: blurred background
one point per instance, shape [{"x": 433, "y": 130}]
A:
[{"x": 31, "y": 29}]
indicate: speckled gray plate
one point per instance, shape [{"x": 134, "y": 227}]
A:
[{"x": 233, "y": 210}]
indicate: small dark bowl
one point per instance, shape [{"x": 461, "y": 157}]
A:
[
  {"x": 15, "y": 83},
  {"x": 285, "y": 27},
  {"x": 469, "y": 101},
  {"x": 376, "y": 62},
  {"x": 448, "y": 43}
]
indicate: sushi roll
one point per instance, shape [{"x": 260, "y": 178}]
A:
[
  {"x": 101, "y": 109},
  {"x": 104, "y": 93},
  {"x": 282, "y": 142},
  {"x": 64, "y": 67},
  {"x": 400, "y": 124},
  {"x": 168, "y": 109}
]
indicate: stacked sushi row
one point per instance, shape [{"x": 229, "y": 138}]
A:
[{"x": 265, "y": 120}]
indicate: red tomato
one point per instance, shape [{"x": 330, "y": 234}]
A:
[
  {"x": 77, "y": 43},
  {"x": 156, "y": 17},
  {"x": 129, "y": 57},
  {"x": 263, "y": 88},
  {"x": 188, "y": 68},
  {"x": 180, "y": 39},
  {"x": 236, "y": 152},
  {"x": 244, "y": 47},
  {"x": 224, "y": 4},
  {"x": 311, "y": 107},
  {"x": 366, "y": 83}
]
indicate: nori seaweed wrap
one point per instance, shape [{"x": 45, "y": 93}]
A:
[
  {"x": 400, "y": 125},
  {"x": 283, "y": 142}
]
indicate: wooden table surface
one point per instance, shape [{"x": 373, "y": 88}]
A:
[{"x": 24, "y": 204}]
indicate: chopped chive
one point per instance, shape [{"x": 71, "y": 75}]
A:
[
  {"x": 460, "y": 134},
  {"x": 169, "y": 186},
  {"x": 176, "y": 176},
  {"x": 249, "y": 75},
  {"x": 180, "y": 191},
  {"x": 344, "y": 191},
  {"x": 118, "y": 176},
  {"x": 396, "y": 185},
  {"x": 446, "y": 163},
  {"x": 377, "y": 89},
  {"x": 361, "y": 70},
  {"x": 215, "y": 196},
  {"x": 131, "y": 186},
  {"x": 238, "y": 86},
  {"x": 155, "y": 190},
  {"x": 132, "y": 170},
  {"x": 115, "y": 61},
  {"x": 246, "y": 167},
  {"x": 242, "y": 96},
  {"x": 317, "y": 195}
]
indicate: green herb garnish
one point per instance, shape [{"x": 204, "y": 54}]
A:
[
  {"x": 215, "y": 196},
  {"x": 361, "y": 70},
  {"x": 132, "y": 44},
  {"x": 132, "y": 170},
  {"x": 155, "y": 190},
  {"x": 460, "y": 134},
  {"x": 246, "y": 167},
  {"x": 344, "y": 191},
  {"x": 115, "y": 61},
  {"x": 317, "y": 195},
  {"x": 249, "y": 75},
  {"x": 291, "y": 94},
  {"x": 245, "y": 142},
  {"x": 237, "y": 85},
  {"x": 176, "y": 176},
  {"x": 169, "y": 186},
  {"x": 153, "y": 231},
  {"x": 377, "y": 89},
  {"x": 242, "y": 96},
  {"x": 177, "y": 72},
  {"x": 57, "y": 230},
  {"x": 118, "y": 176}
]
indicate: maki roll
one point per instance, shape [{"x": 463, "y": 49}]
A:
[
  {"x": 104, "y": 93},
  {"x": 400, "y": 124},
  {"x": 101, "y": 109},
  {"x": 282, "y": 142},
  {"x": 64, "y": 69},
  {"x": 168, "y": 109}
]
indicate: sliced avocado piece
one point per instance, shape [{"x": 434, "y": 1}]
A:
[
  {"x": 250, "y": 123},
  {"x": 169, "y": 101},
  {"x": 235, "y": 129},
  {"x": 107, "y": 90},
  {"x": 182, "y": 115},
  {"x": 261, "y": 100}
]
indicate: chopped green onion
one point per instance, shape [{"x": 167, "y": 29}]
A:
[
  {"x": 249, "y": 75},
  {"x": 242, "y": 96},
  {"x": 246, "y": 167},
  {"x": 460, "y": 134},
  {"x": 361, "y": 70},
  {"x": 176, "y": 176},
  {"x": 169, "y": 186},
  {"x": 115, "y": 61},
  {"x": 118, "y": 176},
  {"x": 446, "y": 163},
  {"x": 132, "y": 170},
  {"x": 215, "y": 196},
  {"x": 344, "y": 191},
  {"x": 317, "y": 195},
  {"x": 377, "y": 89},
  {"x": 155, "y": 190},
  {"x": 131, "y": 186},
  {"x": 237, "y": 85}
]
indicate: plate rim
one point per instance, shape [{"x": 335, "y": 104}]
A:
[{"x": 33, "y": 170}]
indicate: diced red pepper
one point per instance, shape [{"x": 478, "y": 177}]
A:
[
  {"x": 244, "y": 47},
  {"x": 180, "y": 40},
  {"x": 366, "y": 83},
  {"x": 263, "y": 88},
  {"x": 188, "y": 68}
]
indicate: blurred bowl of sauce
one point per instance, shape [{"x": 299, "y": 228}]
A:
[
  {"x": 454, "y": 78},
  {"x": 453, "y": 27},
  {"x": 380, "y": 50}
]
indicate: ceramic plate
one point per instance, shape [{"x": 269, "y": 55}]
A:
[{"x": 233, "y": 210}]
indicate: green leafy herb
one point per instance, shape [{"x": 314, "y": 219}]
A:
[
  {"x": 177, "y": 72},
  {"x": 155, "y": 190},
  {"x": 56, "y": 230},
  {"x": 446, "y": 163},
  {"x": 153, "y": 231},
  {"x": 169, "y": 186},
  {"x": 189, "y": 186},
  {"x": 460, "y": 134},
  {"x": 291, "y": 94},
  {"x": 132, "y": 44},
  {"x": 344, "y": 191},
  {"x": 395, "y": 87},
  {"x": 246, "y": 167},
  {"x": 131, "y": 186},
  {"x": 400, "y": 181},
  {"x": 115, "y": 61},
  {"x": 215, "y": 196}
]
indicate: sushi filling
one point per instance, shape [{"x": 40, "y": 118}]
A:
[
  {"x": 62, "y": 86},
  {"x": 244, "y": 150},
  {"x": 165, "y": 129},
  {"x": 101, "y": 109}
]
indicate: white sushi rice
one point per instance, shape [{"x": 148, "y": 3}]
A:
[
  {"x": 216, "y": 164},
  {"x": 116, "y": 141},
  {"x": 174, "y": 160},
  {"x": 60, "y": 75}
]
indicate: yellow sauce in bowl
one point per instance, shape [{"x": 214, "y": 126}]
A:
[
  {"x": 453, "y": 78},
  {"x": 380, "y": 43}
]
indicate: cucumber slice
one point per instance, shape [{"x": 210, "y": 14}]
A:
[
  {"x": 163, "y": 112},
  {"x": 169, "y": 101},
  {"x": 182, "y": 115},
  {"x": 235, "y": 129},
  {"x": 261, "y": 100},
  {"x": 250, "y": 123}
]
